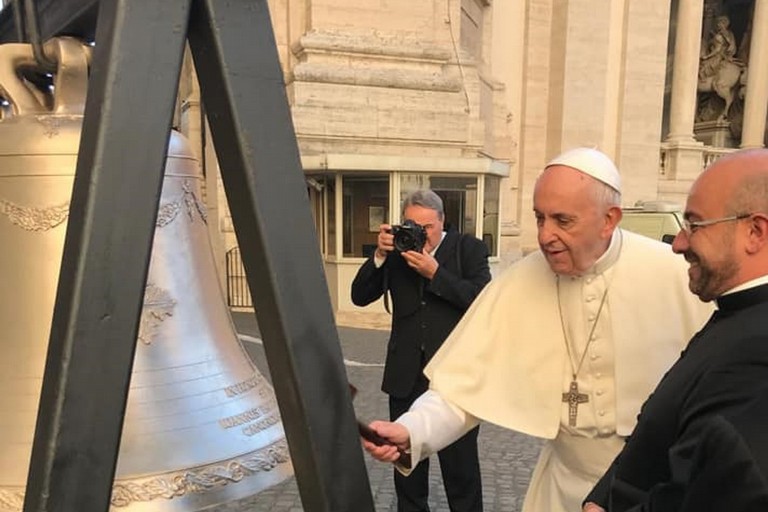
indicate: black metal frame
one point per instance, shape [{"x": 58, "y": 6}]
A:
[
  {"x": 128, "y": 116},
  {"x": 57, "y": 17}
]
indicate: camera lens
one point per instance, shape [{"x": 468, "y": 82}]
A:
[
  {"x": 409, "y": 236},
  {"x": 404, "y": 241}
]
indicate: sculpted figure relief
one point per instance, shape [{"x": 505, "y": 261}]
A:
[
  {"x": 719, "y": 71},
  {"x": 721, "y": 48}
]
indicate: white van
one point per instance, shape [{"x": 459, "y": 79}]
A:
[{"x": 660, "y": 220}]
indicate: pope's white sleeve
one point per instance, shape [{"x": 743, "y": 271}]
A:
[{"x": 433, "y": 423}]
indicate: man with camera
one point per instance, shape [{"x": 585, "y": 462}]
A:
[{"x": 432, "y": 277}]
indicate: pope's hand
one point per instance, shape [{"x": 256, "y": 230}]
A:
[
  {"x": 395, "y": 433},
  {"x": 592, "y": 507}
]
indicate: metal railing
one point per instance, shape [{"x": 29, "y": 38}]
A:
[{"x": 238, "y": 293}]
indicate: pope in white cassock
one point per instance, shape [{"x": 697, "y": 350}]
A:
[{"x": 566, "y": 344}]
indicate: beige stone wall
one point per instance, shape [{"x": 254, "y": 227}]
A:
[
  {"x": 518, "y": 81},
  {"x": 594, "y": 76},
  {"x": 639, "y": 127},
  {"x": 390, "y": 90},
  {"x": 377, "y": 81},
  {"x": 507, "y": 60},
  {"x": 535, "y": 109}
]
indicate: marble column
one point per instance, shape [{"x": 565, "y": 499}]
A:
[
  {"x": 683, "y": 152},
  {"x": 756, "y": 101},
  {"x": 686, "y": 70}
]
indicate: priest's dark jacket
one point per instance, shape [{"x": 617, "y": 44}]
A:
[
  {"x": 721, "y": 464},
  {"x": 684, "y": 423}
]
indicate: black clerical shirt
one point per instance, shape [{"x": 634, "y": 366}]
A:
[{"x": 721, "y": 372}]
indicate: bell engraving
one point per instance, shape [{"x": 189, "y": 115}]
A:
[{"x": 202, "y": 424}]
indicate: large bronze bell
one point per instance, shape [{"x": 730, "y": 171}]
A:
[{"x": 202, "y": 425}]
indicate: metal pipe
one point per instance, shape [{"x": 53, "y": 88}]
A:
[
  {"x": 18, "y": 20},
  {"x": 33, "y": 33}
]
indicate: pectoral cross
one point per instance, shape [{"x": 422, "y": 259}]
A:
[{"x": 573, "y": 398}]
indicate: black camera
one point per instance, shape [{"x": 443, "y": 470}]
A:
[{"x": 409, "y": 236}]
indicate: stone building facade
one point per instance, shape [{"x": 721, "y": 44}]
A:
[{"x": 472, "y": 97}]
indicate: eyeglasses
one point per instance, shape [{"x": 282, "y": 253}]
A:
[{"x": 690, "y": 226}]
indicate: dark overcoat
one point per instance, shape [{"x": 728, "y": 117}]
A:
[{"x": 424, "y": 311}]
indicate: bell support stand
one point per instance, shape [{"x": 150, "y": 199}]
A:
[{"x": 128, "y": 114}]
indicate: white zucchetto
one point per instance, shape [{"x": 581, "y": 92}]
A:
[{"x": 592, "y": 163}]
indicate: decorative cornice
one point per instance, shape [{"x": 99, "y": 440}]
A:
[
  {"x": 373, "y": 44},
  {"x": 395, "y": 52},
  {"x": 396, "y": 79}
]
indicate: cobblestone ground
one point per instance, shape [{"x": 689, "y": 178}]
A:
[{"x": 506, "y": 458}]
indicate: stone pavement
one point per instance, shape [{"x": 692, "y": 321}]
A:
[{"x": 506, "y": 458}]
